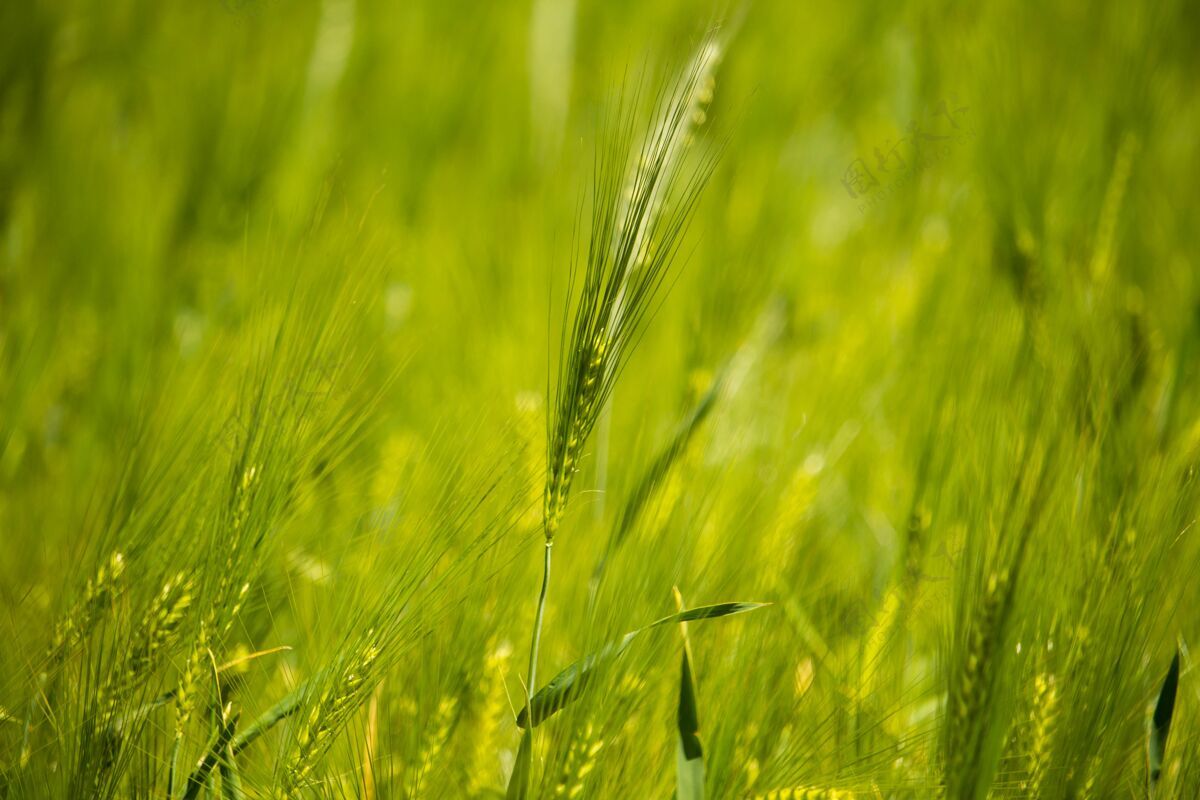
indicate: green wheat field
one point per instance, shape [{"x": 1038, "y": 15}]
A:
[{"x": 577, "y": 399}]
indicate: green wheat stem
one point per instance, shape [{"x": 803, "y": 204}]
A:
[
  {"x": 172, "y": 770},
  {"x": 536, "y": 639}
]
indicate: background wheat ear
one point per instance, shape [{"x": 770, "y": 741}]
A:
[
  {"x": 275, "y": 281},
  {"x": 1160, "y": 723},
  {"x": 98, "y": 595}
]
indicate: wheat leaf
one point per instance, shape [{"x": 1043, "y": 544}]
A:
[
  {"x": 1160, "y": 723},
  {"x": 518, "y": 784},
  {"x": 268, "y": 719},
  {"x": 689, "y": 754},
  {"x": 198, "y": 780},
  {"x": 566, "y": 685}
]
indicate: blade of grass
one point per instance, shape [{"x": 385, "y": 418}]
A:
[
  {"x": 565, "y": 686},
  {"x": 169, "y": 695},
  {"x": 689, "y": 754},
  {"x": 213, "y": 756},
  {"x": 231, "y": 777},
  {"x": 268, "y": 719},
  {"x": 655, "y": 474},
  {"x": 518, "y": 783},
  {"x": 661, "y": 465},
  {"x": 1160, "y": 723}
]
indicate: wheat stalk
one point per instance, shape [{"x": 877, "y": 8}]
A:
[{"x": 632, "y": 243}]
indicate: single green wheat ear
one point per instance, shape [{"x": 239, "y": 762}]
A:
[
  {"x": 329, "y": 702},
  {"x": 643, "y": 196},
  {"x": 642, "y": 200}
]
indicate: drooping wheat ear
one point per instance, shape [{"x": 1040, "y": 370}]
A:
[
  {"x": 332, "y": 701},
  {"x": 158, "y": 628},
  {"x": 634, "y": 237},
  {"x": 581, "y": 760},
  {"x": 79, "y": 620},
  {"x": 484, "y": 772},
  {"x": 432, "y": 742},
  {"x": 1041, "y": 729},
  {"x": 971, "y": 692}
]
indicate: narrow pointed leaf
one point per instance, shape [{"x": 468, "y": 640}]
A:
[
  {"x": 199, "y": 779},
  {"x": 705, "y": 612},
  {"x": 689, "y": 754},
  {"x": 269, "y": 718},
  {"x": 661, "y": 466},
  {"x": 689, "y": 714},
  {"x": 231, "y": 777},
  {"x": 1160, "y": 723},
  {"x": 276, "y": 713},
  {"x": 566, "y": 685},
  {"x": 518, "y": 783}
]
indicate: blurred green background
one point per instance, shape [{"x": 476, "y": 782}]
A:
[{"x": 174, "y": 176}]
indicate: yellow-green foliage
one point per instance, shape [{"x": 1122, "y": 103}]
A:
[{"x": 321, "y": 320}]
